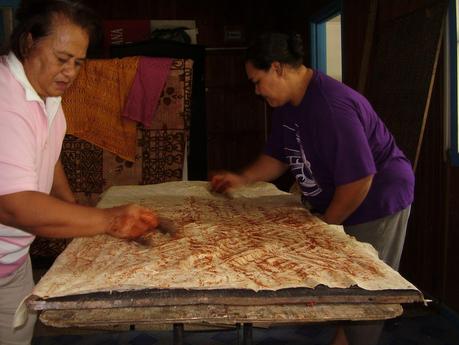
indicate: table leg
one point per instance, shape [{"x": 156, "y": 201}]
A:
[
  {"x": 247, "y": 334},
  {"x": 178, "y": 334}
]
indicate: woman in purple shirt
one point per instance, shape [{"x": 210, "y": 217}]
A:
[{"x": 341, "y": 154}]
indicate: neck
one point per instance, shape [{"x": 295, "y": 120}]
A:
[{"x": 302, "y": 82}]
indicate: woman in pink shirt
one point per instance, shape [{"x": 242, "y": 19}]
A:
[{"x": 48, "y": 47}]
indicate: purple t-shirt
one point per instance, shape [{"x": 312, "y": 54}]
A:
[{"x": 334, "y": 137}]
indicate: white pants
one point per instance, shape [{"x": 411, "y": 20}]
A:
[{"x": 13, "y": 289}]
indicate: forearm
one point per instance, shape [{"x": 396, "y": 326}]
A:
[
  {"x": 265, "y": 168},
  {"x": 47, "y": 216},
  {"x": 346, "y": 200},
  {"x": 61, "y": 188}
]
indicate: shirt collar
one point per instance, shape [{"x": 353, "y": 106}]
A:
[{"x": 17, "y": 69}]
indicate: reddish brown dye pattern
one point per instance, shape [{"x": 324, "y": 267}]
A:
[{"x": 259, "y": 243}]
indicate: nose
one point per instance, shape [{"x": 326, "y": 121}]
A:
[{"x": 70, "y": 70}]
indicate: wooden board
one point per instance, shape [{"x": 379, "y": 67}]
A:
[
  {"x": 155, "y": 297},
  {"x": 222, "y": 314}
]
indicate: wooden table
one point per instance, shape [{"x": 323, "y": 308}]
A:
[{"x": 179, "y": 306}]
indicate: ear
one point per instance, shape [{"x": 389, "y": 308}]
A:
[
  {"x": 29, "y": 41},
  {"x": 277, "y": 67},
  {"x": 26, "y": 44}
]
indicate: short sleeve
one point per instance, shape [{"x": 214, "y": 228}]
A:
[
  {"x": 17, "y": 154},
  {"x": 347, "y": 147}
]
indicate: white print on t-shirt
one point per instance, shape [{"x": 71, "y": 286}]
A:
[{"x": 300, "y": 166}]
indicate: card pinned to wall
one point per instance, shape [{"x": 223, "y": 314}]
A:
[{"x": 234, "y": 33}]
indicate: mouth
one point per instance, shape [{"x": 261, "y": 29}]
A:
[{"x": 62, "y": 85}]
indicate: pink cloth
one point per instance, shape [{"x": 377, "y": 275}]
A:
[
  {"x": 146, "y": 89},
  {"x": 31, "y": 135}
]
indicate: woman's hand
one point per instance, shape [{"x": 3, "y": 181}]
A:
[
  {"x": 223, "y": 181},
  {"x": 130, "y": 221},
  {"x": 265, "y": 168}
]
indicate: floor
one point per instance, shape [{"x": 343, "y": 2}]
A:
[{"x": 420, "y": 325}]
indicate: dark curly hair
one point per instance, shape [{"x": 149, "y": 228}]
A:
[{"x": 35, "y": 17}]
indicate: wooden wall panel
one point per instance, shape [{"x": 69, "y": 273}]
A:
[
  {"x": 451, "y": 256},
  {"x": 353, "y": 36},
  {"x": 400, "y": 93},
  {"x": 226, "y": 68},
  {"x": 393, "y": 9},
  {"x": 235, "y": 116},
  {"x": 423, "y": 257}
]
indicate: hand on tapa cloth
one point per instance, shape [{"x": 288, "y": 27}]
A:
[
  {"x": 165, "y": 226},
  {"x": 131, "y": 221}
]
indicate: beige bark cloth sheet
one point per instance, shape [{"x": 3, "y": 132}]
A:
[{"x": 260, "y": 239}]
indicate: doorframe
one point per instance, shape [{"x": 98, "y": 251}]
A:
[
  {"x": 451, "y": 80},
  {"x": 318, "y": 37}
]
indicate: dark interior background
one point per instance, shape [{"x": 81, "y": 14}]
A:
[{"x": 237, "y": 122}]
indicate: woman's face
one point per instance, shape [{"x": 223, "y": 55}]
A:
[
  {"x": 53, "y": 62},
  {"x": 269, "y": 84}
]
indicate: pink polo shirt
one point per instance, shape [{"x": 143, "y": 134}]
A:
[{"x": 31, "y": 135}]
